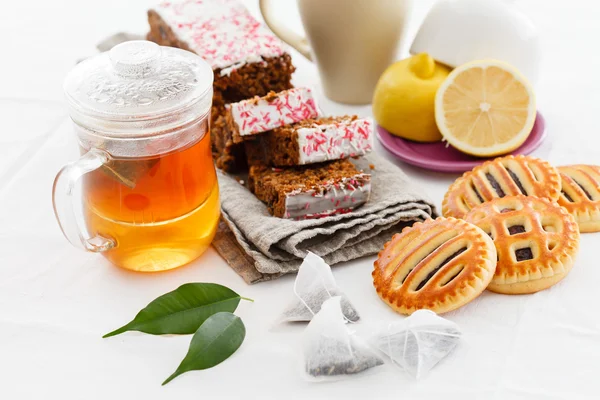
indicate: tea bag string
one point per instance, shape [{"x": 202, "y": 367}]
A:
[
  {"x": 389, "y": 343},
  {"x": 350, "y": 347},
  {"x": 405, "y": 346},
  {"x": 389, "y": 340},
  {"x": 450, "y": 334}
]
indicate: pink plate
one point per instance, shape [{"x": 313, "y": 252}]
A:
[{"x": 437, "y": 157}]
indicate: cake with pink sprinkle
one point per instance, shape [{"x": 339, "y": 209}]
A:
[
  {"x": 251, "y": 117},
  {"x": 247, "y": 59},
  {"x": 313, "y": 141},
  {"x": 311, "y": 191}
]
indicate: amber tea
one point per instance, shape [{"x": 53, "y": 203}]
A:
[{"x": 161, "y": 211}]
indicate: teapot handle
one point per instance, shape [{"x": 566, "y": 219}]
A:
[
  {"x": 295, "y": 40},
  {"x": 65, "y": 206}
]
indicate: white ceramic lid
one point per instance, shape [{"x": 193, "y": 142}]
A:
[
  {"x": 139, "y": 88},
  {"x": 459, "y": 31}
]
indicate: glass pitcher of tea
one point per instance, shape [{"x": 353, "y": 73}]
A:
[{"x": 144, "y": 192}]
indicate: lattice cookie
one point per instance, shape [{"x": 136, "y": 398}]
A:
[
  {"x": 536, "y": 241},
  {"x": 581, "y": 195},
  {"x": 438, "y": 265},
  {"x": 505, "y": 176}
]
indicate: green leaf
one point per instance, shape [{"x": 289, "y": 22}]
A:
[
  {"x": 217, "y": 339},
  {"x": 183, "y": 310}
]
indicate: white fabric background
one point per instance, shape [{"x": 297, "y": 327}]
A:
[{"x": 56, "y": 301}]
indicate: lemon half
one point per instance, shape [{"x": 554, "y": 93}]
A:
[{"x": 485, "y": 108}]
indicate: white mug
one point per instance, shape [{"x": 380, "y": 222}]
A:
[
  {"x": 352, "y": 42},
  {"x": 458, "y": 31}
]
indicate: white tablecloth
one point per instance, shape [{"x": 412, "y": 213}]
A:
[{"x": 57, "y": 301}]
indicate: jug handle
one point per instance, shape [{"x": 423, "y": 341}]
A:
[
  {"x": 295, "y": 40},
  {"x": 64, "y": 202}
]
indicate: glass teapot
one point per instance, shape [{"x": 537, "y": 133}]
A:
[{"x": 144, "y": 192}]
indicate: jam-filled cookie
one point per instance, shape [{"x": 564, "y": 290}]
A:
[
  {"x": 536, "y": 241},
  {"x": 580, "y": 195},
  {"x": 438, "y": 265},
  {"x": 505, "y": 176}
]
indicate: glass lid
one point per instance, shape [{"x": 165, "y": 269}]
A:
[{"x": 139, "y": 88}]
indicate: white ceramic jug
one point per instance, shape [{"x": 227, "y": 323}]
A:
[{"x": 351, "y": 41}]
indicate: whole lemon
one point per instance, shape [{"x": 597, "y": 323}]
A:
[{"x": 404, "y": 98}]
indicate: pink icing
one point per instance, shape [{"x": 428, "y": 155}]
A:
[
  {"x": 220, "y": 31},
  {"x": 346, "y": 138},
  {"x": 260, "y": 115}
]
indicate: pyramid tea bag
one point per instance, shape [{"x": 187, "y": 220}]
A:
[
  {"x": 127, "y": 172},
  {"x": 330, "y": 351},
  {"x": 313, "y": 286},
  {"x": 418, "y": 342}
]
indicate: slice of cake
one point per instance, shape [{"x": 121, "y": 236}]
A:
[
  {"x": 261, "y": 114},
  {"x": 228, "y": 156},
  {"x": 247, "y": 59},
  {"x": 313, "y": 141},
  {"x": 313, "y": 191}
]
